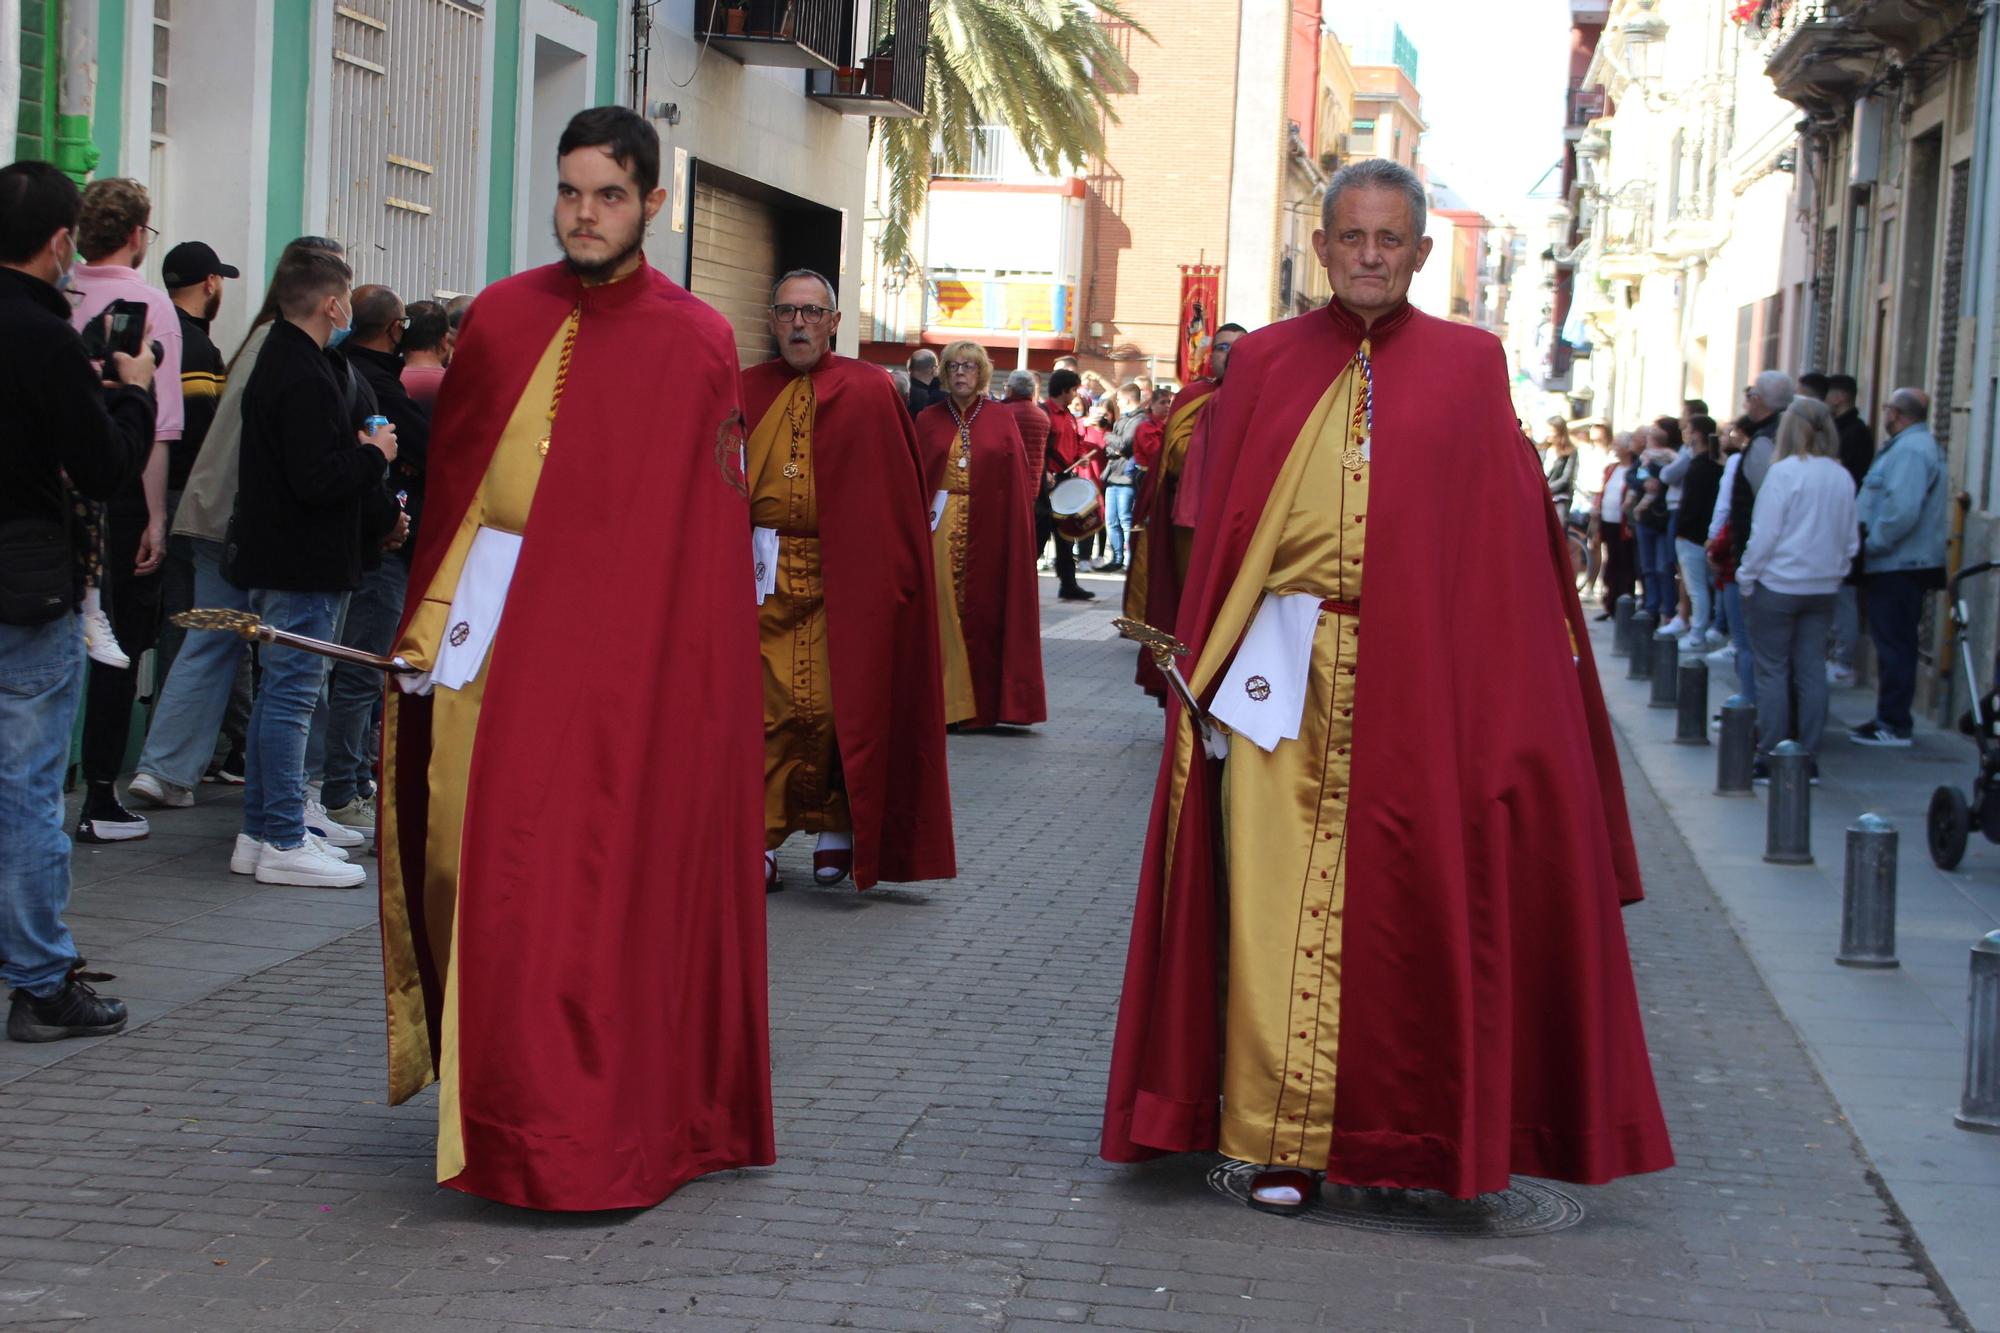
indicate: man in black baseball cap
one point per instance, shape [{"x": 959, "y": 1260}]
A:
[{"x": 193, "y": 276}]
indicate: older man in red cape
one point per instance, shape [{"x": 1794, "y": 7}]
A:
[
  {"x": 583, "y": 978},
  {"x": 1164, "y": 538},
  {"x": 989, "y": 613},
  {"x": 1382, "y": 939},
  {"x": 853, "y": 701}
]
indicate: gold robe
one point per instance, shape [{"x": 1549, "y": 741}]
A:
[
  {"x": 803, "y": 790},
  {"x": 504, "y": 500},
  {"x": 948, "y": 564},
  {"x": 1285, "y": 827}
]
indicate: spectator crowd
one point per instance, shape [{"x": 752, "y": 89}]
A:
[{"x": 1766, "y": 541}]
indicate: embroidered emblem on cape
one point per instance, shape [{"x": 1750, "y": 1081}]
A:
[
  {"x": 1257, "y": 688},
  {"x": 460, "y": 633},
  {"x": 732, "y": 443}
]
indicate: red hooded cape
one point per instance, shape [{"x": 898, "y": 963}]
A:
[
  {"x": 1155, "y": 506},
  {"x": 1002, "y": 616},
  {"x": 881, "y": 615},
  {"x": 1489, "y": 1024},
  {"x": 612, "y": 1037}
]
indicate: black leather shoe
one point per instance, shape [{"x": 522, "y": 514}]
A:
[
  {"x": 1077, "y": 594},
  {"x": 1274, "y": 1184},
  {"x": 74, "y": 1011}
]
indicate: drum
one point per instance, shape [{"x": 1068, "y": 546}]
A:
[{"x": 1078, "y": 509}]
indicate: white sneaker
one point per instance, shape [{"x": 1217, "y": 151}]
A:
[
  {"x": 1838, "y": 675},
  {"x": 308, "y": 867},
  {"x": 358, "y": 814},
  {"x": 1722, "y": 657},
  {"x": 1717, "y": 639},
  {"x": 243, "y": 860},
  {"x": 1676, "y": 627},
  {"x": 319, "y": 823},
  {"x": 98, "y": 640},
  {"x": 337, "y": 853},
  {"x": 157, "y": 791}
]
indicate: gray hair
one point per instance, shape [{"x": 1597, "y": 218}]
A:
[
  {"x": 1774, "y": 388},
  {"x": 1377, "y": 173},
  {"x": 1022, "y": 384},
  {"x": 832, "y": 297},
  {"x": 1806, "y": 430},
  {"x": 923, "y": 359},
  {"x": 1911, "y": 404},
  {"x": 901, "y": 378}
]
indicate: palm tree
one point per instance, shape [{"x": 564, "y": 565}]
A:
[{"x": 1046, "y": 70}]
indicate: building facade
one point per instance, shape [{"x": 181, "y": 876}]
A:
[{"x": 422, "y": 133}]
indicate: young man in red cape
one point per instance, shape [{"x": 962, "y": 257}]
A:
[
  {"x": 1164, "y": 532},
  {"x": 585, "y": 983},
  {"x": 989, "y": 612},
  {"x": 1382, "y": 939},
  {"x": 847, "y": 608}
]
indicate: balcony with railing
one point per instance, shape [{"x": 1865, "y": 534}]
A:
[
  {"x": 795, "y": 34},
  {"x": 1814, "y": 56},
  {"x": 882, "y": 74}
]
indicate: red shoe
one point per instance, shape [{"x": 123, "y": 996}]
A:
[
  {"x": 831, "y": 867},
  {"x": 1305, "y": 1184}
]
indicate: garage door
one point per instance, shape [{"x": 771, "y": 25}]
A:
[{"x": 735, "y": 261}]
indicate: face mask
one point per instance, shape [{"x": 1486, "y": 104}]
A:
[
  {"x": 65, "y": 278},
  {"x": 340, "y": 331}
]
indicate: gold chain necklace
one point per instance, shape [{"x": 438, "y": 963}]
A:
[
  {"x": 965, "y": 421},
  {"x": 562, "y": 375},
  {"x": 798, "y": 413}
]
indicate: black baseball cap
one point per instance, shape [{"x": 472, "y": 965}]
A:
[{"x": 190, "y": 262}]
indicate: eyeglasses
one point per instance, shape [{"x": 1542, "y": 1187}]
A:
[
  {"x": 153, "y": 232},
  {"x": 811, "y": 314},
  {"x": 951, "y": 366}
]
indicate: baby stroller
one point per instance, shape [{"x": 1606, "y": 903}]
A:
[{"x": 1953, "y": 817}]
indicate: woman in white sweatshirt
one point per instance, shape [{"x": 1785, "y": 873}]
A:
[{"x": 1802, "y": 540}]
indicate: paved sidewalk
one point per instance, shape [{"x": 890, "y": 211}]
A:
[
  {"x": 940, "y": 1054},
  {"x": 1890, "y": 1044}
]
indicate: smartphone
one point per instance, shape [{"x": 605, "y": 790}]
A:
[{"x": 126, "y": 332}]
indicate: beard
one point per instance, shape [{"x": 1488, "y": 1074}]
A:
[
  {"x": 214, "y": 304},
  {"x": 597, "y": 270}
]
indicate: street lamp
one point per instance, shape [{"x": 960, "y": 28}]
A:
[{"x": 1642, "y": 32}]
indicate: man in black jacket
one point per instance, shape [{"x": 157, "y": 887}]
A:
[
  {"x": 374, "y": 351},
  {"x": 1857, "y": 455},
  {"x": 308, "y": 504},
  {"x": 56, "y": 418}
]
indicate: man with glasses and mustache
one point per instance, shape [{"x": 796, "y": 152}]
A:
[
  {"x": 847, "y": 607},
  {"x": 581, "y": 974}
]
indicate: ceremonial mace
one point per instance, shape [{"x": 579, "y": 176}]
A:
[
  {"x": 253, "y": 628},
  {"x": 1165, "y": 648}
]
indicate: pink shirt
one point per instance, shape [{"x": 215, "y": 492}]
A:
[
  {"x": 95, "y": 286},
  {"x": 421, "y": 383}
]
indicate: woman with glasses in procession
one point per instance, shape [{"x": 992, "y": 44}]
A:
[{"x": 983, "y": 535}]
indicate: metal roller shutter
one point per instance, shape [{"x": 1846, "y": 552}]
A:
[{"x": 734, "y": 263}]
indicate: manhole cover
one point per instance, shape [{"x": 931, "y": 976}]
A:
[{"x": 1530, "y": 1208}]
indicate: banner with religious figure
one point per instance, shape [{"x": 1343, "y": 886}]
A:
[{"x": 1201, "y": 299}]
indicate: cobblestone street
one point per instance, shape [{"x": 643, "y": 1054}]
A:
[{"x": 940, "y": 1059}]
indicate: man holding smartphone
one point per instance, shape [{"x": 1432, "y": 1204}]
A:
[
  {"x": 59, "y": 420},
  {"x": 112, "y": 236}
]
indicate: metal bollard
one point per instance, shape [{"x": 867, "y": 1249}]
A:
[
  {"x": 1666, "y": 670},
  {"x": 1868, "y": 897},
  {"x": 1979, "y": 1108},
  {"x": 1641, "y": 664},
  {"x": 1736, "y": 755},
  {"x": 1788, "y": 830},
  {"x": 1621, "y": 625},
  {"x": 1691, "y": 698}
]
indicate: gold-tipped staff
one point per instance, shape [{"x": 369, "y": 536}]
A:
[
  {"x": 251, "y": 627},
  {"x": 1165, "y": 648}
]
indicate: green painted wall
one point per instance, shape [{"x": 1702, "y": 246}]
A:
[
  {"x": 506, "y": 19},
  {"x": 107, "y": 108},
  {"x": 35, "y": 124},
  {"x": 291, "y": 87}
]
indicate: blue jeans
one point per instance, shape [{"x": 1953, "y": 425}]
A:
[
  {"x": 1695, "y": 576},
  {"x": 191, "y": 703},
  {"x": 274, "y": 749},
  {"x": 1118, "y": 501},
  {"x": 373, "y": 612},
  {"x": 1739, "y": 639},
  {"x": 41, "y": 683},
  {"x": 1895, "y": 608},
  {"x": 1656, "y": 570}
]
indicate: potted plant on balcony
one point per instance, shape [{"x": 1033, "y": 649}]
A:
[
  {"x": 731, "y": 13},
  {"x": 881, "y": 67},
  {"x": 849, "y": 81}
]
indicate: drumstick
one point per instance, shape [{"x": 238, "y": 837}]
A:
[{"x": 1081, "y": 461}]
